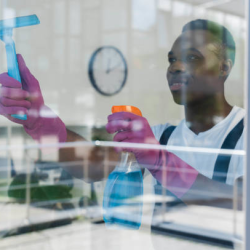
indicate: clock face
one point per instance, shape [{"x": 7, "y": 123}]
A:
[{"x": 108, "y": 70}]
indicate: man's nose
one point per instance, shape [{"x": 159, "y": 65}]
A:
[{"x": 178, "y": 66}]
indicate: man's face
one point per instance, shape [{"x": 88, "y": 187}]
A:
[{"x": 194, "y": 67}]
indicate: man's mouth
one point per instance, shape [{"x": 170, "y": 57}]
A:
[{"x": 177, "y": 86}]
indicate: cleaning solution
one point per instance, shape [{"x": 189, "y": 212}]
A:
[{"x": 122, "y": 201}]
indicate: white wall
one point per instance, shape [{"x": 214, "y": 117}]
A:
[{"x": 58, "y": 51}]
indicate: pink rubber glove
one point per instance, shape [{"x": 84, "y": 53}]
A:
[
  {"x": 173, "y": 173},
  {"x": 42, "y": 123},
  {"x": 134, "y": 128}
]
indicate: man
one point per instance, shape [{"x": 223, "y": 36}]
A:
[{"x": 200, "y": 61}]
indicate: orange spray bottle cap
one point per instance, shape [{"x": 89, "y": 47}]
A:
[{"x": 126, "y": 108}]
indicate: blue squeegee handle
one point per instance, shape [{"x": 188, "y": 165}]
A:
[{"x": 13, "y": 69}]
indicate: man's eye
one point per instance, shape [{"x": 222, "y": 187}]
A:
[
  {"x": 192, "y": 58},
  {"x": 171, "y": 60}
]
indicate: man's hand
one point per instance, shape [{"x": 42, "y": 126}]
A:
[
  {"x": 41, "y": 121},
  {"x": 19, "y": 98},
  {"x": 134, "y": 129}
]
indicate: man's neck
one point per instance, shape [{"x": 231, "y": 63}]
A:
[{"x": 203, "y": 115}]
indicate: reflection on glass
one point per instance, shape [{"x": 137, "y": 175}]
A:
[
  {"x": 143, "y": 14},
  {"x": 193, "y": 186}
]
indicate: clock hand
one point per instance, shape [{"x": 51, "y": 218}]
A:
[
  {"x": 114, "y": 67},
  {"x": 108, "y": 68}
]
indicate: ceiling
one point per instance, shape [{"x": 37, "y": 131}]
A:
[{"x": 236, "y": 7}]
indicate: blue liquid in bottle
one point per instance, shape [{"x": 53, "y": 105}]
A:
[{"x": 122, "y": 201}]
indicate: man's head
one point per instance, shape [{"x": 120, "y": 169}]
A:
[{"x": 200, "y": 61}]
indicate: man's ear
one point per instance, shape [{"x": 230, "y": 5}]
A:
[{"x": 226, "y": 67}]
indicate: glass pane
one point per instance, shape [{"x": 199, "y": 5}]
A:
[{"x": 164, "y": 167}]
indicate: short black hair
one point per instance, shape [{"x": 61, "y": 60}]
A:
[{"x": 221, "y": 33}]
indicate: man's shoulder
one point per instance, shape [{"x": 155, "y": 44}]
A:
[
  {"x": 239, "y": 110},
  {"x": 159, "y": 129}
]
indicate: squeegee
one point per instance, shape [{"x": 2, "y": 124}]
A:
[{"x": 6, "y": 32}]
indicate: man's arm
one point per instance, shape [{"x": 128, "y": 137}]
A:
[
  {"x": 192, "y": 187},
  {"x": 205, "y": 191},
  {"x": 42, "y": 124},
  {"x": 90, "y": 163}
]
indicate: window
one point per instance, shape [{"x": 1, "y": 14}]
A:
[{"x": 67, "y": 179}]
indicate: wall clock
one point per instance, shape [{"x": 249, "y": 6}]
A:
[{"x": 108, "y": 70}]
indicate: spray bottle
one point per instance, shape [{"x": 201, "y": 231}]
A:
[{"x": 122, "y": 201}]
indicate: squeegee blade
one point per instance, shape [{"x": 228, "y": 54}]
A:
[{"x": 19, "y": 22}]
